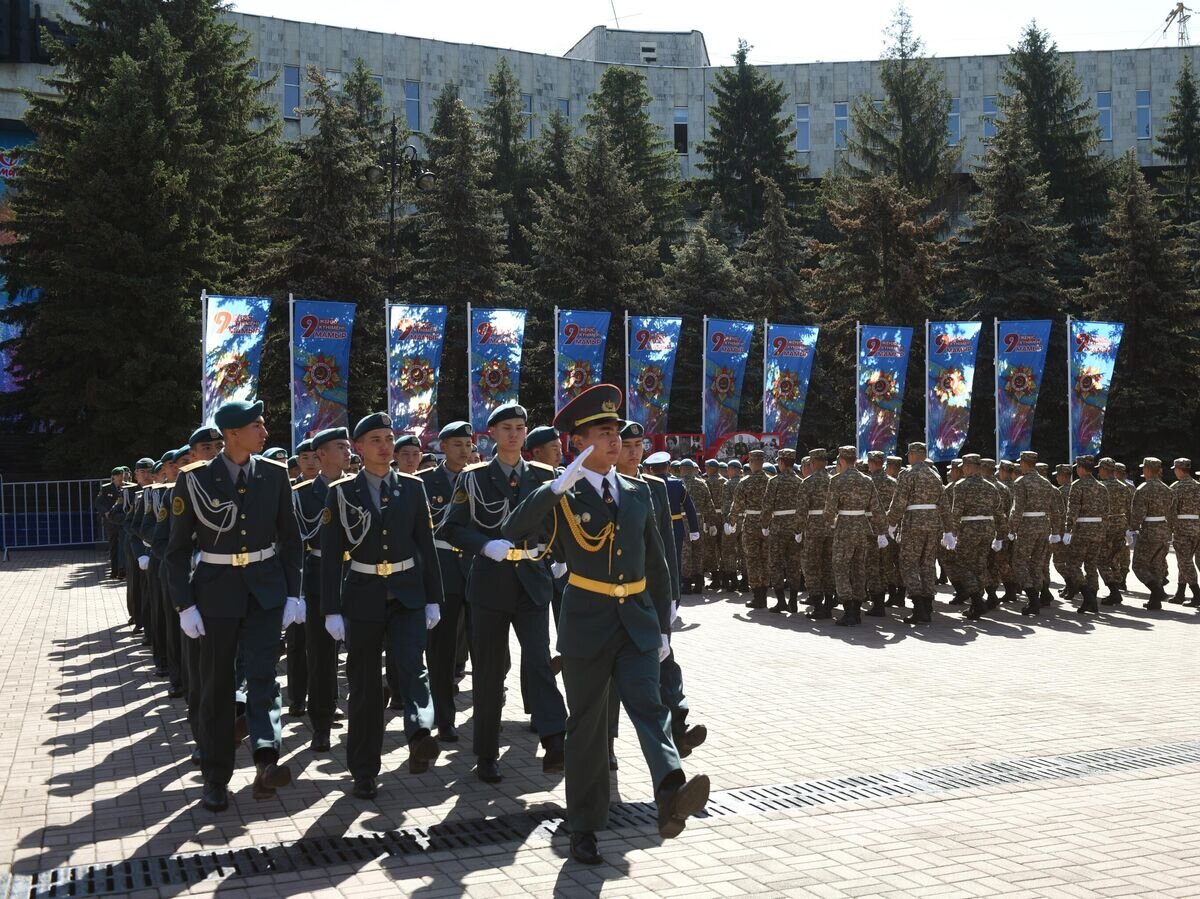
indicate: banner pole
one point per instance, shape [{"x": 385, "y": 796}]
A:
[
  {"x": 703, "y": 378},
  {"x": 387, "y": 358},
  {"x": 928, "y": 439},
  {"x": 292, "y": 367},
  {"x": 556, "y": 369},
  {"x": 627, "y": 390},
  {"x": 470, "y": 409},
  {"x": 996, "y": 381},
  {"x": 857, "y": 382},
  {"x": 1070, "y": 429},
  {"x": 203, "y": 355},
  {"x": 766, "y": 339}
]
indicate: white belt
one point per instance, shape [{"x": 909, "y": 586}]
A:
[
  {"x": 1188, "y": 517},
  {"x": 1155, "y": 518},
  {"x": 779, "y": 512},
  {"x": 237, "y": 560},
  {"x": 752, "y": 511},
  {"x": 978, "y": 518},
  {"x": 854, "y": 512},
  {"x": 1033, "y": 514},
  {"x": 315, "y": 553},
  {"x": 442, "y": 544},
  {"x": 1089, "y": 520},
  {"x": 921, "y": 507},
  {"x": 383, "y": 569}
]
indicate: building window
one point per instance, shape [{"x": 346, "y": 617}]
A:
[
  {"x": 991, "y": 109},
  {"x": 953, "y": 124},
  {"x": 1143, "y": 115},
  {"x": 681, "y": 130},
  {"x": 334, "y": 78},
  {"x": 564, "y": 109},
  {"x": 1104, "y": 114},
  {"x": 527, "y": 105},
  {"x": 378, "y": 79},
  {"x": 412, "y": 104},
  {"x": 649, "y": 54},
  {"x": 291, "y": 92},
  {"x": 802, "y": 136},
  {"x": 841, "y": 123}
]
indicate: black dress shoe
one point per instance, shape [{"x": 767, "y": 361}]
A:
[
  {"x": 175, "y": 691},
  {"x": 320, "y": 741},
  {"x": 161, "y": 671},
  {"x": 447, "y": 735},
  {"x": 695, "y": 736},
  {"x": 554, "y": 761},
  {"x": 421, "y": 751},
  {"x": 583, "y": 848},
  {"x": 676, "y": 805},
  {"x": 556, "y": 666},
  {"x": 216, "y": 797},
  {"x": 488, "y": 770},
  {"x": 613, "y": 764},
  {"x": 271, "y": 776},
  {"x": 194, "y": 758},
  {"x": 299, "y": 710},
  {"x": 365, "y": 788}
]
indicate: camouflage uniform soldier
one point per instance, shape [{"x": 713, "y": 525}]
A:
[
  {"x": 1116, "y": 543},
  {"x": 1149, "y": 530},
  {"x": 1184, "y": 518},
  {"x": 852, "y": 512},
  {"x": 997, "y": 572},
  {"x": 781, "y": 528},
  {"x": 710, "y": 527},
  {"x": 1034, "y": 525},
  {"x": 745, "y": 518},
  {"x": 977, "y": 516},
  {"x": 1122, "y": 478},
  {"x": 946, "y": 555},
  {"x": 731, "y": 541},
  {"x": 693, "y": 551},
  {"x": 891, "y": 556},
  {"x": 1006, "y": 475},
  {"x": 1084, "y": 532},
  {"x": 879, "y": 580},
  {"x": 1062, "y": 481},
  {"x": 914, "y": 519},
  {"x": 818, "y": 541}
]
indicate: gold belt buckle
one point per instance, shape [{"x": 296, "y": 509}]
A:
[
  {"x": 619, "y": 590},
  {"x": 515, "y": 555},
  {"x": 241, "y": 560},
  {"x": 383, "y": 569}
]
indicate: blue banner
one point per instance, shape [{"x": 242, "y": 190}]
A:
[
  {"x": 653, "y": 341},
  {"x": 320, "y": 366},
  {"x": 882, "y": 364},
  {"x": 416, "y": 336},
  {"x": 496, "y": 336},
  {"x": 790, "y": 352},
  {"x": 726, "y": 349},
  {"x": 953, "y": 348},
  {"x": 1020, "y": 362},
  {"x": 234, "y": 328},
  {"x": 12, "y": 381},
  {"x": 579, "y": 353},
  {"x": 1093, "y": 347}
]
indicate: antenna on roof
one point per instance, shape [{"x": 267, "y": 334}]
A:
[
  {"x": 613, "y": 4},
  {"x": 1179, "y": 16}
]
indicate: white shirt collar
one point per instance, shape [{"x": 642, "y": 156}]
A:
[{"x": 597, "y": 481}]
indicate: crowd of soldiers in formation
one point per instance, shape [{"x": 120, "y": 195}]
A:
[{"x": 877, "y": 533}]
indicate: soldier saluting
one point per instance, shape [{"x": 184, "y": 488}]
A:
[{"x": 611, "y": 631}]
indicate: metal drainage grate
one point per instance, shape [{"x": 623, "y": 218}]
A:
[{"x": 540, "y": 826}]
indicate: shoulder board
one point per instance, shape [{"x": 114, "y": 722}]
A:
[
  {"x": 632, "y": 481},
  {"x": 535, "y": 464},
  {"x": 297, "y": 486},
  {"x": 349, "y": 477},
  {"x": 170, "y": 486},
  {"x": 199, "y": 463},
  {"x": 421, "y": 471},
  {"x": 282, "y": 465},
  {"x": 652, "y": 477},
  {"x": 476, "y": 465},
  {"x": 411, "y": 477}
]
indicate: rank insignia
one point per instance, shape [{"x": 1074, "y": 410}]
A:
[
  {"x": 460, "y": 496},
  {"x": 162, "y": 515},
  {"x": 177, "y": 505},
  {"x": 326, "y": 516},
  {"x": 586, "y": 517}
]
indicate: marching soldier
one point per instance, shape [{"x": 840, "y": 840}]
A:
[
  {"x": 731, "y": 541},
  {"x": 996, "y": 571},
  {"x": 1085, "y": 534},
  {"x": 509, "y": 587},
  {"x": 406, "y": 454},
  {"x": 817, "y": 542},
  {"x": 1034, "y": 526},
  {"x": 1120, "y": 475},
  {"x": 159, "y": 544},
  {"x": 245, "y": 589},
  {"x": 106, "y": 499},
  {"x": 1150, "y": 530},
  {"x": 612, "y": 629},
  {"x": 852, "y": 512},
  {"x": 1062, "y": 483},
  {"x": 1184, "y": 518},
  {"x": 781, "y": 528},
  {"x": 692, "y": 577},
  {"x": 306, "y": 460},
  {"x": 946, "y": 554},
  {"x": 880, "y": 581},
  {"x": 681, "y": 505},
  {"x": 1117, "y": 539},
  {"x": 977, "y": 515},
  {"x": 914, "y": 519},
  {"x": 745, "y": 517},
  {"x": 135, "y": 582},
  {"x": 891, "y": 556},
  {"x": 388, "y": 594},
  {"x": 711, "y": 536}
]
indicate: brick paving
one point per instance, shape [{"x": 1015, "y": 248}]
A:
[{"x": 95, "y": 765}]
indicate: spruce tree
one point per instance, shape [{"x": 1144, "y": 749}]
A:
[
  {"x": 552, "y": 152},
  {"x": 749, "y": 133},
  {"x": 363, "y": 94},
  {"x": 621, "y": 102},
  {"x": 1142, "y": 280},
  {"x": 147, "y": 184},
  {"x": 1178, "y": 143},
  {"x": 503, "y": 124},
  {"x": 905, "y": 135}
]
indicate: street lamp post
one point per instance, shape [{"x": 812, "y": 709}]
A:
[{"x": 394, "y": 162}]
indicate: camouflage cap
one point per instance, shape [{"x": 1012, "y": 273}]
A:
[
  {"x": 1152, "y": 462},
  {"x": 757, "y": 454},
  {"x": 894, "y": 460},
  {"x": 1183, "y": 463},
  {"x": 806, "y": 460},
  {"x": 1088, "y": 462},
  {"x": 1006, "y": 465},
  {"x": 956, "y": 463},
  {"x": 847, "y": 452},
  {"x": 876, "y": 456},
  {"x": 1062, "y": 468},
  {"x": 818, "y": 454},
  {"x": 1043, "y": 468},
  {"x": 917, "y": 447},
  {"x": 1029, "y": 456},
  {"x": 787, "y": 453},
  {"x": 986, "y": 462},
  {"x": 1120, "y": 466},
  {"x": 973, "y": 459},
  {"x": 1108, "y": 463}
]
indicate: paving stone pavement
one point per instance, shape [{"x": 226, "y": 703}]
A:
[{"x": 95, "y": 766}]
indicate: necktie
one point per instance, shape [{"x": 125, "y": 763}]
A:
[
  {"x": 241, "y": 487},
  {"x": 513, "y": 482},
  {"x": 608, "y": 497}
]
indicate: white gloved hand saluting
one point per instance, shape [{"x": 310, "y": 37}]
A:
[
  {"x": 728, "y": 529},
  {"x": 294, "y": 611},
  {"x": 143, "y": 562},
  {"x": 558, "y": 569},
  {"x": 191, "y": 623},
  {"x": 665, "y": 649},
  {"x": 881, "y": 541},
  {"x": 335, "y": 626},
  {"x": 433, "y": 614},
  {"x": 497, "y": 550},
  {"x": 997, "y": 545},
  {"x": 571, "y": 473}
]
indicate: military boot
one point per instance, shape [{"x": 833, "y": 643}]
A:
[
  {"x": 1180, "y": 593},
  {"x": 1033, "y": 607},
  {"x": 1195, "y": 600},
  {"x": 1114, "y": 597},
  {"x": 780, "y": 600},
  {"x": 1069, "y": 593},
  {"x": 852, "y": 615},
  {"x": 758, "y": 600},
  {"x": 1045, "y": 598},
  {"x": 820, "y": 608},
  {"x": 1157, "y": 595},
  {"x": 919, "y": 614},
  {"x": 878, "y": 609},
  {"x": 1089, "y": 603},
  {"x": 977, "y": 609},
  {"x": 960, "y": 598},
  {"x": 993, "y": 599},
  {"x": 793, "y": 603}
]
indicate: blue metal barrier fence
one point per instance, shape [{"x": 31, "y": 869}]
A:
[{"x": 48, "y": 515}]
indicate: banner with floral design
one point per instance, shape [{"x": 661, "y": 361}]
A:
[
  {"x": 653, "y": 341},
  {"x": 578, "y": 353},
  {"x": 1020, "y": 362},
  {"x": 415, "y": 338},
  {"x": 726, "y": 349},
  {"x": 882, "y": 364},
  {"x": 953, "y": 348},
  {"x": 790, "y": 351},
  {"x": 495, "y": 338},
  {"x": 320, "y": 366},
  {"x": 1093, "y": 347},
  {"x": 234, "y": 329}
]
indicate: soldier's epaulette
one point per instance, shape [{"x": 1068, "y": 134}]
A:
[
  {"x": 297, "y": 486},
  {"x": 282, "y": 465},
  {"x": 476, "y": 465},
  {"x": 653, "y": 477},
  {"x": 349, "y": 477},
  {"x": 405, "y": 474},
  {"x": 170, "y": 486},
  {"x": 535, "y": 464},
  {"x": 421, "y": 471},
  {"x": 199, "y": 463}
]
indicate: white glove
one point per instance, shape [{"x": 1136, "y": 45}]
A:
[
  {"x": 665, "y": 649},
  {"x": 191, "y": 623},
  {"x": 571, "y": 473},
  {"x": 881, "y": 540},
  {"x": 712, "y": 531},
  {"x": 1055, "y": 538},
  {"x": 1130, "y": 538},
  {"x": 335, "y": 626},
  {"x": 195, "y": 559},
  {"x": 766, "y": 532},
  {"x": 293, "y": 611},
  {"x": 1012, "y": 538},
  {"x": 1066, "y": 539},
  {"x": 728, "y": 529},
  {"x": 949, "y": 540},
  {"x": 694, "y": 536},
  {"x": 800, "y": 537},
  {"x": 674, "y": 611},
  {"x": 433, "y": 614},
  {"x": 892, "y": 531},
  {"x": 143, "y": 562},
  {"x": 997, "y": 545},
  {"x": 497, "y": 550},
  {"x": 558, "y": 569}
]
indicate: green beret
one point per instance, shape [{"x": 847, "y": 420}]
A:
[
  {"x": 304, "y": 446},
  {"x": 769, "y": 468},
  {"x": 321, "y": 438},
  {"x": 599, "y": 403},
  {"x": 376, "y": 421},
  {"x": 505, "y": 412},
  {"x": 293, "y": 461},
  {"x": 407, "y": 440},
  {"x": 204, "y": 434},
  {"x": 144, "y": 464},
  {"x": 156, "y": 468},
  {"x": 540, "y": 436},
  {"x": 631, "y": 430},
  {"x": 456, "y": 429},
  {"x": 711, "y": 463},
  {"x": 276, "y": 453},
  {"x": 120, "y": 469},
  {"x": 689, "y": 463},
  {"x": 237, "y": 414}
]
